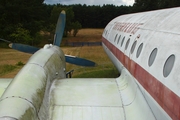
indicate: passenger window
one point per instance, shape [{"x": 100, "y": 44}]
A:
[
  {"x": 122, "y": 41},
  {"x": 139, "y": 50},
  {"x": 106, "y": 32},
  {"x": 115, "y": 38},
  {"x": 119, "y": 39},
  {"x": 152, "y": 57},
  {"x": 133, "y": 47},
  {"x": 168, "y": 65},
  {"x": 127, "y": 44}
]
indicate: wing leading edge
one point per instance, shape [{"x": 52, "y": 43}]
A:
[
  {"x": 4, "y": 82},
  {"x": 98, "y": 99}
]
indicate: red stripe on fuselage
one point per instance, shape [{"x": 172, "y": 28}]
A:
[{"x": 166, "y": 98}]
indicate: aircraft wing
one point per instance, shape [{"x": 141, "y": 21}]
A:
[
  {"x": 4, "y": 82},
  {"x": 98, "y": 99}
]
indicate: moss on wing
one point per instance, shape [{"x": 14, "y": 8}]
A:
[{"x": 29, "y": 114}]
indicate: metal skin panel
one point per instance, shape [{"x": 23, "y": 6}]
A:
[
  {"x": 157, "y": 29},
  {"x": 17, "y": 108},
  {"x": 28, "y": 92},
  {"x": 4, "y": 82},
  {"x": 102, "y": 99}
]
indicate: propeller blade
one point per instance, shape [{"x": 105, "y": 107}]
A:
[
  {"x": 23, "y": 48},
  {"x": 5, "y": 40},
  {"x": 60, "y": 28},
  {"x": 79, "y": 61}
]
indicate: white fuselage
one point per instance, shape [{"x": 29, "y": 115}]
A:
[{"x": 148, "y": 46}]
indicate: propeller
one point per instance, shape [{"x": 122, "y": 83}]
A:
[
  {"x": 60, "y": 28},
  {"x": 57, "y": 41},
  {"x": 79, "y": 61},
  {"x": 23, "y": 48}
]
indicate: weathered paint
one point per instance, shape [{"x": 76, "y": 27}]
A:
[
  {"x": 4, "y": 84},
  {"x": 98, "y": 99},
  {"x": 158, "y": 29},
  {"x": 26, "y": 95}
]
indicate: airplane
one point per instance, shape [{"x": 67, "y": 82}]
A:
[{"x": 144, "y": 47}]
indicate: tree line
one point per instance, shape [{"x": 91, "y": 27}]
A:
[{"x": 22, "y": 20}]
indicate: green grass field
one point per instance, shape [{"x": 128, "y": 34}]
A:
[{"x": 11, "y": 61}]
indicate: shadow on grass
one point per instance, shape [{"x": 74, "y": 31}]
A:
[{"x": 110, "y": 73}]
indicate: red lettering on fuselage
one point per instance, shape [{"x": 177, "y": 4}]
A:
[{"x": 131, "y": 28}]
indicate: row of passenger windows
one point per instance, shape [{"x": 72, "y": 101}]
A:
[
  {"x": 168, "y": 64},
  {"x": 127, "y": 44}
]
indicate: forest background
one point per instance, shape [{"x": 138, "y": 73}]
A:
[{"x": 22, "y": 21}]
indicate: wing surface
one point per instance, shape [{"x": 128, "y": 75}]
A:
[
  {"x": 98, "y": 99},
  {"x": 4, "y": 82}
]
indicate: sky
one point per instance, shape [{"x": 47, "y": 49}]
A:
[{"x": 91, "y": 2}]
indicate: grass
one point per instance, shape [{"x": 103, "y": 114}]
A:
[
  {"x": 20, "y": 63},
  {"x": 7, "y": 68},
  {"x": 104, "y": 66},
  {"x": 84, "y": 35},
  {"x": 101, "y": 73},
  {"x": 3, "y": 45},
  {"x": 12, "y": 61}
]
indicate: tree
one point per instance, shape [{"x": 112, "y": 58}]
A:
[
  {"x": 97, "y": 16},
  {"x": 21, "y": 35},
  {"x": 55, "y": 14},
  {"x": 76, "y": 27},
  {"x": 145, "y": 5},
  {"x": 30, "y": 14},
  {"x": 70, "y": 25},
  {"x": 168, "y": 3}
]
